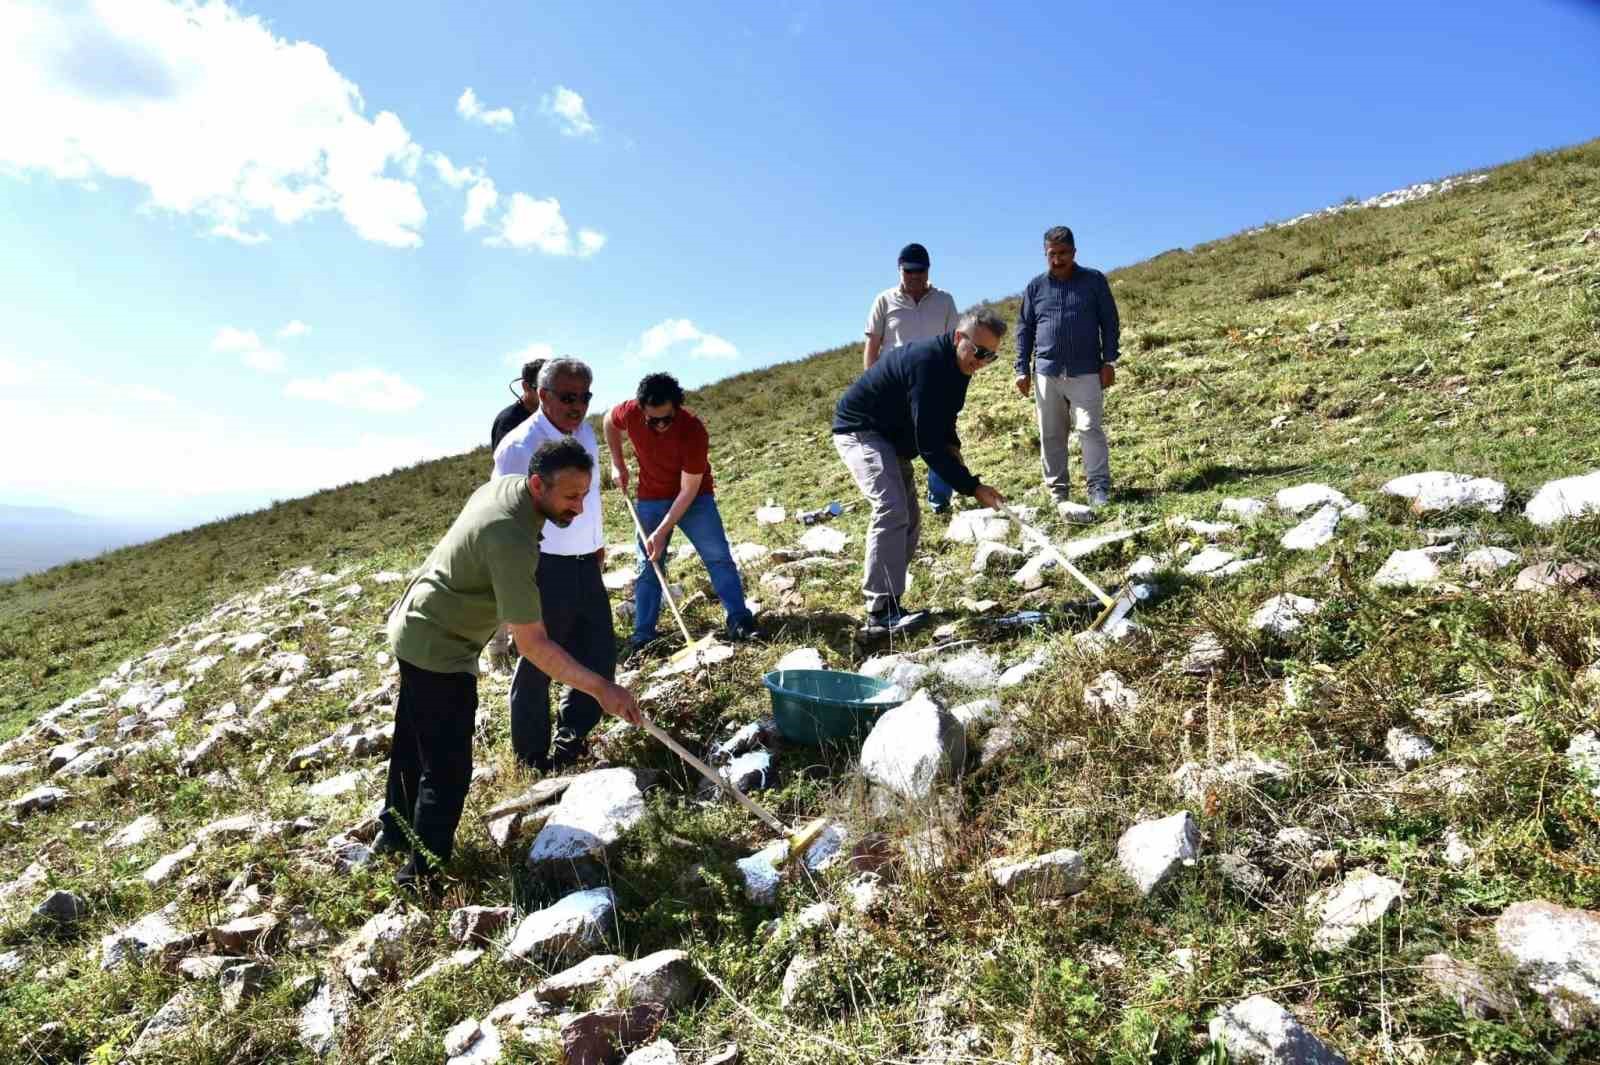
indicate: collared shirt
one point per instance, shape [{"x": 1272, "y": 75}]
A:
[
  {"x": 897, "y": 320},
  {"x": 586, "y": 534},
  {"x": 1067, "y": 327},
  {"x": 912, "y": 396},
  {"x": 506, "y": 421},
  {"x": 484, "y": 571},
  {"x": 664, "y": 457}
]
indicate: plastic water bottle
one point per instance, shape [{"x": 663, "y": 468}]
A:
[{"x": 827, "y": 513}]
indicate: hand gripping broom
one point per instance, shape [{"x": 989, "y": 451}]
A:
[{"x": 692, "y": 646}]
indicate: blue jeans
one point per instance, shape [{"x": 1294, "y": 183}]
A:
[
  {"x": 702, "y": 524},
  {"x": 939, "y": 492}
]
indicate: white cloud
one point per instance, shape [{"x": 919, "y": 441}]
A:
[
  {"x": 296, "y": 328},
  {"x": 537, "y": 350},
  {"x": 681, "y": 336},
  {"x": 373, "y": 390},
  {"x": 263, "y": 359},
  {"x": 230, "y": 339},
  {"x": 469, "y": 107},
  {"x": 152, "y": 396},
  {"x": 568, "y": 109},
  {"x": 532, "y": 223},
  {"x": 206, "y": 109},
  {"x": 481, "y": 198}
]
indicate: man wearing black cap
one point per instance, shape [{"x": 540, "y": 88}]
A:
[{"x": 914, "y": 310}]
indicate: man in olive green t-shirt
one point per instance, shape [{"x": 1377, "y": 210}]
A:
[{"x": 481, "y": 574}]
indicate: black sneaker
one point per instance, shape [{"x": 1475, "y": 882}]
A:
[
  {"x": 894, "y": 617},
  {"x": 742, "y": 631}
]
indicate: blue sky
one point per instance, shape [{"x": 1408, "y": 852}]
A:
[{"x": 260, "y": 248}]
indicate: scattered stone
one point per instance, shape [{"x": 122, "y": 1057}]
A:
[
  {"x": 760, "y": 873},
  {"x": 175, "y": 1015},
  {"x": 1208, "y": 561},
  {"x": 587, "y": 977},
  {"x": 1314, "y": 531},
  {"x": 802, "y": 970},
  {"x": 1283, "y": 615},
  {"x": 601, "y": 1037},
  {"x": 596, "y": 811},
  {"x": 1239, "y": 871},
  {"x": 207, "y": 966},
  {"x": 460, "y": 959},
  {"x": 1244, "y": 509},
  {"x": 1478, "y": 994},
  {"x": 913, "y": 748},
  {"x": 1258, "y": 1031},
  {"x": 334, "y": 786},
  {"x": 575, "y": 926},
  {"x": 1437, "y": 490},
  {"x": 1024, "y": 669},
  {"x": 1583, "y": 757},
  {"x": 479, "y": 924},
  {"x": 1551, "y": 577},
  {"x": 992, "y": 555},
  {"x": 62, "y": 908},
  {"x": 208, "y": 749},
  {"x": 239, "y": 983},
  {"x": 1487, "y": 560},
  {"x": 1303, "y": 497},
  {"x": 1457, "y": 854},
  {"x": 1408, "y": 569},
  {"x": 148, "y": 935},
  {"x": 1032, "y": 574},
  {"x": 169, "y": 865},
  {"x": 977, "y": 716},
  {"x": 321, "y": 1019},
  {"x": 1344, "y": 910},
  {"x": 978, "y": 526},
  {"x": 1406, "y": 749},
  {"x": 543, "y": 791},
  {"x": 246, "y": 935},
  {"x": 801, "y": 658},
  {"x": 823, "y": 540},
  {"x": 38, "y": 800},
  {"x": 970, "y": 669},
  {"x": 1152, "y": 851},
  {"x": 61, "y": 754},
  {"x": 667, "y": 978},
  {"x": 388, "y": 576},
  {"x": 1049, "y": 876},
  {"x": 1205, "y": 654},
  {"x": 1108, "y": 694},
  {"x": 1560, "y": 500},
  {"x": 771, "y": 514},
  {"x": 661, "y": 1052},
  {"x": 1249, "y": 770},
  {"x": 1556, "y": 953},
  {"x": 473, "y": 1042},
  {"x": 93, "y": 762},
  {"x": 375, "y": 952}
]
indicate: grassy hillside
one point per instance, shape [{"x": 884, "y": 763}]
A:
[{"x": 1460, "y": 332}]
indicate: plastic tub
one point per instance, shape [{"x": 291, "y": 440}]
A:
[{"x": 812, "y": 706}]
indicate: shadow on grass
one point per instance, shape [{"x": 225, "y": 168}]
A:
[{"x": 1214, "y": 474}]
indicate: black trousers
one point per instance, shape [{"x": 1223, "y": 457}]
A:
[
  {"x": 430, "y": 763},
  {"x": 577, "y": 614}
]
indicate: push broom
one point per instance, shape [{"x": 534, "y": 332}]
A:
[{"x": 692, "y": 647}]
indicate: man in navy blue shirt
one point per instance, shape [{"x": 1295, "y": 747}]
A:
[
  {"x": 1067, "y": 338},
  {"x": 905, "y": 406}
]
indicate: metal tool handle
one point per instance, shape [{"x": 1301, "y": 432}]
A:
[
  {"x": 644, "y": 544},
  {"x": 712, "y": 775}
]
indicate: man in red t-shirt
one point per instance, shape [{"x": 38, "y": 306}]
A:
[{"x": 675, "y": 491}]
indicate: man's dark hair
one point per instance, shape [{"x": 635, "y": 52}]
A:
[
  {"x": 659, "y": 388},
  {"x": 1059, "y": 235},
  {"x": 530, "y": 373},
  {"x": 554, "y": 456}
]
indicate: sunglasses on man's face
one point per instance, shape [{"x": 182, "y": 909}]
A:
[
  {"x": 982, "y": 354},
  {"x": 660, "y": 421},
  {"x": 572, "y": 399}
]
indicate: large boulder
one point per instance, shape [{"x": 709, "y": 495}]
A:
[
  {"x": 575, "y": 926},
  {"x": 914, "y": 748},
  {"x": 1152, "y": 851},
  {"x": 595, "y": 811},
  {"x": 1556, "y": 952},
  {"x": 1258, "y": 1031}
]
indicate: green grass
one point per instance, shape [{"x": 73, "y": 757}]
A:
[{"x": 1460, "y": 332}]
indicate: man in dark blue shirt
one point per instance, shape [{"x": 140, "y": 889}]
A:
[
  {"x": 904, "y": 406},
  {"x": 1067, "y": 338}
]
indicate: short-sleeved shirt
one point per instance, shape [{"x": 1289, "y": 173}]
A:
[
  {"x": 482, "y": 573},
  {"x": 586, "y": 534},
  {"x": 506, "y": 421},
  {"x": 897, "y": 320},
  {"x": 684, "y": 447}
]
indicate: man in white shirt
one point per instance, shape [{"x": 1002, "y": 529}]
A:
[
  {"x": 914, "y": 310},
  {"x": 577, "y": 611}
]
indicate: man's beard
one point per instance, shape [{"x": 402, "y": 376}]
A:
[{"x": 564, "y": 519}]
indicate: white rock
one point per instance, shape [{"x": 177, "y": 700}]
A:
[
  {"x": 1075, "y": 513},
  {"x": 666, "y": 977},
  {"x": 1357, "y": 512},
  {"x": 594, "y": 812},
  {"x": 1244, "y": 509},
  {"x": 824, "y": 540},
  {"x": 970, "y": 669},
  {"x": 1457, "y": 853},
  {"x": 760, "y": 873},
  {"x": 1283, "y": 614},
  {"x": 978, "y": 526},
  {"x": 1024, "y": 669},
  {"x": 1486, "y": 560},
  {"x": 1569, "y": 497},
  {"x": 1194, "y": 780},
  {"x": 801, "y": 658},
  {"x": 334, "y": 786},
  {"x": 202, "y": 665},
  {"x": 1361, "y": 899},
  {"x": 1108, "y": 694},
  {"x": 169, "y": 865},
  {"x": 1258, "y": 1031},
  {"x": 1209, "y": 529},
  {"x": 388, "y": 576},
  {"x": 746, "y": 553},
  {"x": 770, "y": 514},
  {"x": 1303, "y": 497},
  {"x": 572, "y": 928},
  {"x": 1143, "y": 567},
  {"x": 1032, "y": 574},
  {"x": 1407, "y": 569},
  {"x": 993, "y": 555},
  {"x": 896, "y": 669},
  {"x": 802, "y": 969},
  {"x": 93, "y": 762},
  {"x": 145, "y": 936},
  {"x": 865, "y": 893},
  {"x": 1205, "y": 654},
  {"x": 1556, "y": 952},
  {"x": 1049, "y": 876},
  {"x": 1208, "y": 561},
  {"x": 1314, "y": 531},
  {"x": 913, "y": 748},
  {"x": 250, "y": 641},
  {"x": 1151, "y": 851},
  {"x": 473, "y": 1042},
  {"x": 976, "y": 716},
  {"x": 659, "y": 1052},
  {"x": 1438, "y": 490},
  {"x": 1406, "y": 749},
  {"x": 709, "y": 656},
  {"x": 1583, "y": 757}
]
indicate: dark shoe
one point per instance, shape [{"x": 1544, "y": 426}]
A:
[
  {"x": 939, "y": 507},
  {"x": 742, "y": 631},
  {"x": 894, "y": 618},
  {"x": 387, "y": 844},
  {"x": 423, "y": 886},
  {"x": 1099, "y": 497},
  {"x": 638, "y": 645}
]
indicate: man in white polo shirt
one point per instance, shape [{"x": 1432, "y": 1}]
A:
[
  {"x": 577, "y": 611},
  {"x": 914, "y": 310}
]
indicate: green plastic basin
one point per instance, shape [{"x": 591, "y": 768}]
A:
[{"x": 812, "y": 706}]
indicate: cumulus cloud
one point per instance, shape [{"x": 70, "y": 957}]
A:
[
  {"x": 537, "y": 350},
  {"x": 469, "y": 107},
  {"x": 482, "y": 196},
  {"x": 205, "y": 109},
  {"x": 296, "y": 328},
  {"x": 530, "y": 223},
  {"x": 247, "y": 345},
  {"x": 373, "y": 390},
  {"x": 229, "y": 339},
  {"x": 681, "y": 336},
  {"x": 568, "y": 109}
]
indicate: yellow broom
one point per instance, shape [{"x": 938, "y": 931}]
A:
[{"x": 692, "y": 646}]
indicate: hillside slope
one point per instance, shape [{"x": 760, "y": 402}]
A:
[{"x": 1458, "y": 332}]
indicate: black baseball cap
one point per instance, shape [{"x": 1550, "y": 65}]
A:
[{"x": 914, "y": 256}]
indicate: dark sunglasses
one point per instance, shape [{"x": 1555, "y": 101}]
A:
[
  {"x": 571, "y": 398},
  {"x": 982, "y": 354},
  {"x": 660, "y": 422}
]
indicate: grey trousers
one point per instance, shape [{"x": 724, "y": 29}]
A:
[
  {"x": 890, "y": 486},
  {"x": 1064, "y": 403}
]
